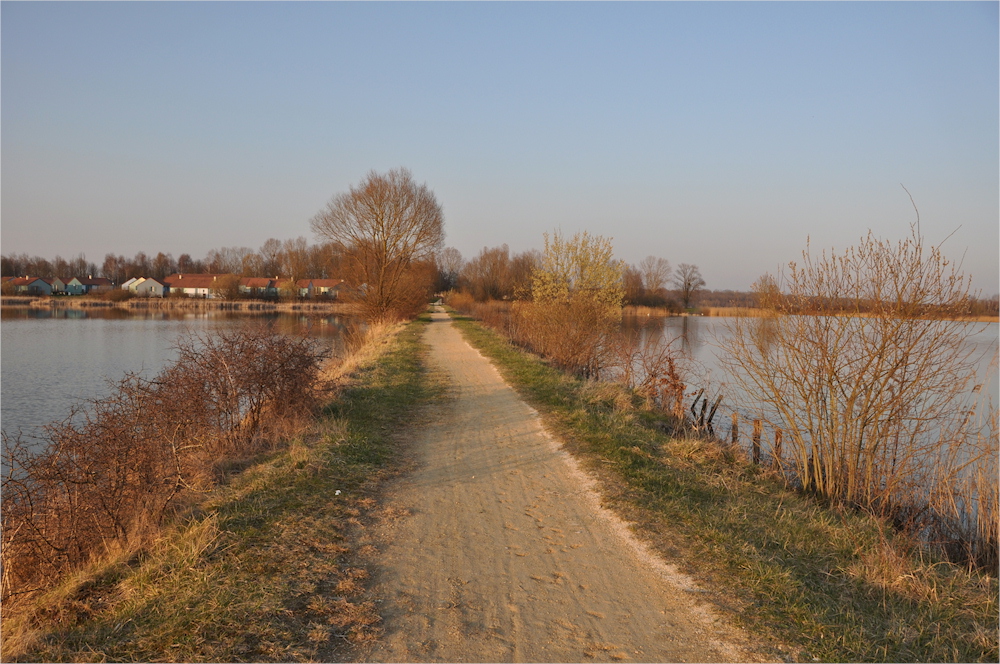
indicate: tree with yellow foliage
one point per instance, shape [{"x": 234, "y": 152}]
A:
[{"x": 577, "y": 296}]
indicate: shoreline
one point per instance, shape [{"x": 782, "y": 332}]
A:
[
  {"x": 633, "y": 311},
  {"x": 345, "y": 308},
  {"x": 178, "y": 304}
]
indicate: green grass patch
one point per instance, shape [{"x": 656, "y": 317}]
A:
[
  {"x": 821, "y": 584},
  {"x": 266, "y": 570}
]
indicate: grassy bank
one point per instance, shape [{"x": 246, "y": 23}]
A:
[
  {"x": 827, "y": 585},
  {"x": 267, "y": 567}
]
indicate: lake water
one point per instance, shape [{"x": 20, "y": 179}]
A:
[
  {"x": 53, "y": 359},
  {"x": 697, "y": 338}
]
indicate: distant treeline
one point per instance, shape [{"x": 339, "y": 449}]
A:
[
  {"x": 294, "y": 259},
  {"x": 493, "y": 274}
]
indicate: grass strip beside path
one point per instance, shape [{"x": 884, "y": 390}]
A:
[
  {"x": 822, "y": 584},
  {"x": 266, "y": 570}
]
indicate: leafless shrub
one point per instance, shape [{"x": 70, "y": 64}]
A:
[
  {"x": 106, "y": 477},
  {"x": 872, "y": 396},
  {"x": 654, "y": 370}
]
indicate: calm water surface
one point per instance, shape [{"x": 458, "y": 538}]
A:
[
  {"x": 51, "y": 360},
  {"x": 698, "y": 337}
]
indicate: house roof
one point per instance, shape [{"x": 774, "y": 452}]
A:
[
  {"x": 192, "y": 280},
  {"x": 319, "y": 283},
  {"x": 94, "y": 281},
  {"x": 257, "y": 282}
]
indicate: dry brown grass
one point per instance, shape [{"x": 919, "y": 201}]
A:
[
  {"x": 652, "y": 312},
  {"x": 363, "y": 343}
]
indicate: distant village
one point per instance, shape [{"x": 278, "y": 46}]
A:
[{"x": 208, "y": 286}]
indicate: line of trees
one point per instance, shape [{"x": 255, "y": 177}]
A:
[
  {"x": 497, "y": 274},
  {"x": 293, "y": 258}
]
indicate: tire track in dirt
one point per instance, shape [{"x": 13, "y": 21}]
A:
[{"x": 505, "y": 553}]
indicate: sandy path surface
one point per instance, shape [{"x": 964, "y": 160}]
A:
[{"x": 506, "y": 554}]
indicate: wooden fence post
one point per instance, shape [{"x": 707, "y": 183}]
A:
[
  {"x": 694, "y": 406},
  {"x": 777, "y": 448},
  {"x": 736, "y": 429},
  {"x": 756, "y": 441},
  {"x": 711, "y": 414}
]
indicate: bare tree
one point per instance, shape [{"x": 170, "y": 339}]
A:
[
  {"x": 385, "y": 225},
  {"x": 522, "y": 267},
  {"x": 140, "y": 266},
  {"x": 655, "y": 272},
  {"x": 632, "y": 284},
  {"x": 450, "y": 264},
  {"x": 270, "y": 254},
  {"x": 687, "y": 279},
  {"x": 487, "y": 276},
  {"x": 228, "y": 260},
  {"x": 163, "y": 265},
  {"x": 295, "y": 259},
  {"x": 113, "y": 268}
]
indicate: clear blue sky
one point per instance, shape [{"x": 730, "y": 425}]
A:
[{"x": 719, "y": 134}]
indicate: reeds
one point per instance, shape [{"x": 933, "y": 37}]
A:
[{"x": 735, "y": 312}]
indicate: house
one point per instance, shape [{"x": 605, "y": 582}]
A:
[
  {"x": 259, "y": 286},
  {"x": 59, "y": 284},
  {"x": 149, "y": 287},
  {"x": 31, "y": 286},
  {"x": 319, "y": 288},
  {"x": 128, "y": 285},
  {"x": 193, "y": 285},
  {"x": 88, "y": 284}
]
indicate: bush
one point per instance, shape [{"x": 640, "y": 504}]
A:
[
  {"x": 875, "y": 387},
  {"x": 107, "y": 477}
]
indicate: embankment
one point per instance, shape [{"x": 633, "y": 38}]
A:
[{"x": 258, "y": 565}]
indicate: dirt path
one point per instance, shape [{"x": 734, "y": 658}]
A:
[{"x": 506, "y": 555}]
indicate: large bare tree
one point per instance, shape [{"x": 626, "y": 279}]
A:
[
  {"x": 385, "y": 225},
  {"x": 688, "y": 281}
]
